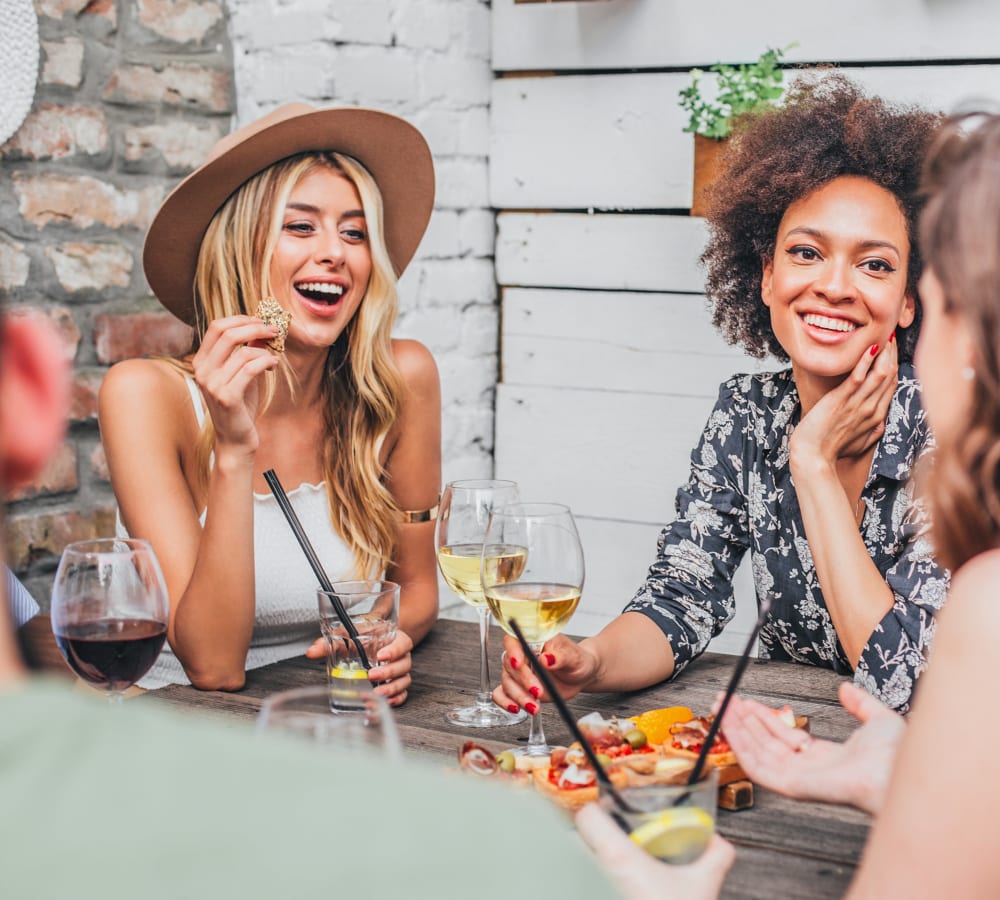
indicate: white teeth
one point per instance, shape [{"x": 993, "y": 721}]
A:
[
  {"x": 828, "y": 323},
  {"x": 321, "y": 287}
]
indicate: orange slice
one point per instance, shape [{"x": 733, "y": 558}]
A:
[{"x": 656, "y": 723}]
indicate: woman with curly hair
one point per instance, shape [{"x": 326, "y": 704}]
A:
[
  {"x": 283, "y": 251},
  {"x": 812, "y": 259},
  {"x": 923, "y": 782}
]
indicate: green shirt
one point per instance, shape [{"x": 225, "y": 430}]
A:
[{"x": 133, "y": 802}]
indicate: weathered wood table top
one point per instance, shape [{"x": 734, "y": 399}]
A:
[{"x": 784, "y": 848}]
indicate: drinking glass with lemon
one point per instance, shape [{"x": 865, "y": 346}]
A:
[
  {"x": 374, "y": 609},
  {"x": 673, "y": 822}
]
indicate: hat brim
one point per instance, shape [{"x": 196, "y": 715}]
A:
[{"x": 392, "y": 150}]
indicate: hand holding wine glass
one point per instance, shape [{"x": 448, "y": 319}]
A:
[
  {"x": 110, "y": 611},
  {"x": 544, "y": 596},
  {"x": 462, "y": 520}
]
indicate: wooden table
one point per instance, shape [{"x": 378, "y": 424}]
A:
[{"x": 784, "y": 848}]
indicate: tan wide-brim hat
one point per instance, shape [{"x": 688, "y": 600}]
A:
[
  {"x": 391, "y": 149},
  {"x": 18, "y": 63}
]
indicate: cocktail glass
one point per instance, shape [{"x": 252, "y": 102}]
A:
[
  {"x": 673, "y": 822},
  {"x": 373, "y": 607}
]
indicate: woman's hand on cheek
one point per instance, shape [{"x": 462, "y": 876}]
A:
[{"x": 851, "y": 417}]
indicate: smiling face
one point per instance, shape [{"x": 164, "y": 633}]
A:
[
  {"x": 837, "y": 283},
  {"x": 322, "y": 261}
]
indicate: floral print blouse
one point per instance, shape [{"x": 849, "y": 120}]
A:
[{"x": 740, "y": 497}]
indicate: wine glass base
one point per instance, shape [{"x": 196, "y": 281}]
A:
[
  {"x": 539, "y": 753},
  {"x": 484, "y": 717}
]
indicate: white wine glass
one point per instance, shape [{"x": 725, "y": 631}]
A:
[
  {"x": 544, "y": 595},
  {"x": 462, "y": 520},
  {"x": 110, "y": 611}
]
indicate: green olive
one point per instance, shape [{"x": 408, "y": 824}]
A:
[
  {"x": 636, "y": 739},
  {"x": 603, "y": 759},
  {"x": 505, "y": 761}
]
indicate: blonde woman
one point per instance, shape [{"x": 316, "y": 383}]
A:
[{"x": 318, "y": 211}]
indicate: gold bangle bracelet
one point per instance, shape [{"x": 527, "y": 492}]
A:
[{"x": 411, "y": 516}]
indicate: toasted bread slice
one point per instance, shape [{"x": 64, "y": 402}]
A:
[{"x": 573, "y": 798}]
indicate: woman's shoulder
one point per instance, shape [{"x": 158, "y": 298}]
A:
[
  {"x": 415, "y": 363},
  {"x": 972, "y": 611},
  {"x": 150, "y": 382},
  {"x": 979, "y": 577}
]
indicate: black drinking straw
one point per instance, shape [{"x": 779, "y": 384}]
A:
[
  {"x": 734, "y": 681},
  {"x": 567, "y": 717},
  {"x": 286, "y": 507}
]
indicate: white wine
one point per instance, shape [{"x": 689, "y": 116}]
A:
[
  {"x": 460, "y": 567},
  {"x": 541, "y": 610}
]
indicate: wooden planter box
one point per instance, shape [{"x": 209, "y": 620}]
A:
[{"x": 707, "y": 160}]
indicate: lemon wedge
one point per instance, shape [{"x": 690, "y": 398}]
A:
[
  {"x": 675, "y": 835},
  {"x": 351, "y": 673}
]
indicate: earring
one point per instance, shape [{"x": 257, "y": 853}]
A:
[{"x": 968, "y": 373}]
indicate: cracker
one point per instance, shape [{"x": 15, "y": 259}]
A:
[{"x": 272, "y": 314}]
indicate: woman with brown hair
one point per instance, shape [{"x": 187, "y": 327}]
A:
[
  {"x": 283, "y": 251},
  {"x": 811, "y": 259}
]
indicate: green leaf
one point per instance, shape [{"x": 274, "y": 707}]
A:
[{"x": 741, "y": 88}]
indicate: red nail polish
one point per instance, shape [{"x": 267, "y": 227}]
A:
[
  {"x": 892, "y": 337},
  {"x": 513, "y": 708},
  {"x": 874, "y": 349},
  {"x": 513, "y": 662},
  {"x": 535, "y": 691},
  {"x": 532, "y": 708},
  {"x": 550, "y": 660}
]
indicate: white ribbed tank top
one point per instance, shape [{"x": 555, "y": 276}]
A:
[{"x": 286, "y": 621}]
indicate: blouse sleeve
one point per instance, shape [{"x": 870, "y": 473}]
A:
[
  {"x": 896, "y": 652},
  {"x": 688, "y": 591}
]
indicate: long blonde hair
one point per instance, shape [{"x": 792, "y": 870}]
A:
[{"x": 361, "y": 387}]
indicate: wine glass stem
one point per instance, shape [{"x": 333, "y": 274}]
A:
[
  {"x": 484, "y": 698},
  {"x": 536, "y": 735},
  {"x": 115, "y": 698}
]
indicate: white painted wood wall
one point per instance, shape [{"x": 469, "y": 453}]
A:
[{"x": 609, "y": 365}]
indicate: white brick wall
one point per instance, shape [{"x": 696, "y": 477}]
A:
[{"x": 429, "y": 62}]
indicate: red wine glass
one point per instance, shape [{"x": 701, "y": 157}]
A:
[{"x": 110, "y": 611}]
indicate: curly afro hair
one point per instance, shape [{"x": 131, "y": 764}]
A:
[{"x": 826, "y": 128}]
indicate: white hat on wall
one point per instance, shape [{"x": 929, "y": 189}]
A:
[{"x": 18, "y": 63}]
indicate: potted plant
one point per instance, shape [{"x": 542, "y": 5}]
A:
[{"x": 738, "y": 89}]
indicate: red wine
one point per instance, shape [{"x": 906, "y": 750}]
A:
[{"x": 112, "y": 653}]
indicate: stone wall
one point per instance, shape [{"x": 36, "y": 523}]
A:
[{"x": 131, "y": 96}]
